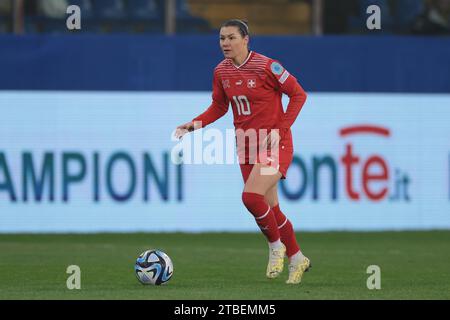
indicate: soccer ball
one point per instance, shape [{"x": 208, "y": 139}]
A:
[{"x": 153, "y": 267}]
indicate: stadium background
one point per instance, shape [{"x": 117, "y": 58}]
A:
[
  {"x": 87, "y": 117},
  {"x": 78, "y": 98}
]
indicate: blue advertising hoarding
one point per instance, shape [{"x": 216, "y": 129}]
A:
[{"x": 106, "y": 161}]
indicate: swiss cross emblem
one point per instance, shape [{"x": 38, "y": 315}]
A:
[{"x": 251, "y": 83}]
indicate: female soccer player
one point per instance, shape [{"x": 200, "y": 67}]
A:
[{"x": 254, "y": 85}]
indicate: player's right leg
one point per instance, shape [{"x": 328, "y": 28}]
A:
[{"x": 253, "y": 197}]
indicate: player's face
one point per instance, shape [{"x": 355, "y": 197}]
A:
[{"x": 232, "y": 43}]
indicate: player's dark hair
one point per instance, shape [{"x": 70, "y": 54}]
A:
[{"x": 242, "y": 26}]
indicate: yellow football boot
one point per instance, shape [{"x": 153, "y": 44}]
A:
[
  {"x": 276, "y": 262},
  {"x": 296, "y": 271}
]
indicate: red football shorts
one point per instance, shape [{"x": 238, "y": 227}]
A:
[{"x": 277, "y": 162}]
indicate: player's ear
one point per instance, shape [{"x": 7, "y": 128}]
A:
[{"x": 247, "y": 39}]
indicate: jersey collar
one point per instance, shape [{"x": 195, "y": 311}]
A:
[{"x": 250, "y": 54}]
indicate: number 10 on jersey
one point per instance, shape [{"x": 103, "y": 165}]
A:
[{"x": 242, "y": 105}]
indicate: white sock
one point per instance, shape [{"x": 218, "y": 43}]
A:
[
  {"x": 296, "y": 258},
  {"x": 276, "y": 244}
]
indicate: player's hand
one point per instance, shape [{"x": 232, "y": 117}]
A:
[{"x": 183, "y": 129}]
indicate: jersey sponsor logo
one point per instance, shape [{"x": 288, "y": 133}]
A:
[
  {"x": 276, "y": 68},
  {"x": 284, "y": 77},
  {"x": 251, "y": 83},
  {"x": 238, "y": 83}
]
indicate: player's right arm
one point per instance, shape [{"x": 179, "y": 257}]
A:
[{"x": 216, "y": 110}]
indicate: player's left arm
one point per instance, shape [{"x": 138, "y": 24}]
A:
[{"x": 288, "y": 84}]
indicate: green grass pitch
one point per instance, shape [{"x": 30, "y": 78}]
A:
[{"x": 414, "y": 265}]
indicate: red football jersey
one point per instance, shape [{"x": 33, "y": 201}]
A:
[{"x": 254, "y": 89}]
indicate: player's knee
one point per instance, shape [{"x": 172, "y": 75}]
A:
[
  {"x": 248, "y": 199},
  {"x": 253, "y": 201}
]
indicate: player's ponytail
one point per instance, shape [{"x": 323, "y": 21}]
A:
[{"x": 242, "y": 26}]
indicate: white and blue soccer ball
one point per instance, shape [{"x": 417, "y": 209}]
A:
[{"x": 153, "y": 267}]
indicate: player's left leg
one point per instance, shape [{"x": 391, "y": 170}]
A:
[
  {"x": 287, "y": 233},
  {"x": 298, "y": 263}
]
